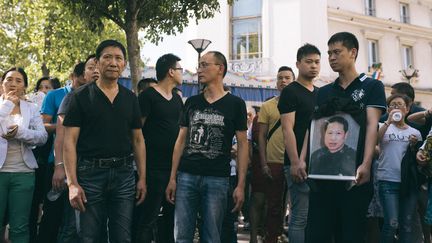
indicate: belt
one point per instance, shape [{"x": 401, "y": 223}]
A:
[{"x": 112, "y": 162}]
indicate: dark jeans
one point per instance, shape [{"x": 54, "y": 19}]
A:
[
  {"x": 110, "y": 195},
  {"x": 38, "y": 197},
  {"x": 52, "y": 211},
  {"x": 146, "y": 215},
  {"x": 336, "y": 213},
  {"x": 229, "y": 230}
]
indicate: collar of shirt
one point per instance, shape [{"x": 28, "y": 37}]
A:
[{"x": 355, "y": 83}]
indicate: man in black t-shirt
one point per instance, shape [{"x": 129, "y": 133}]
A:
[
  {"x": 337, "y": 209},
  {"x": 102, "y": 138},
  {"x": 160, "y": 112},
  {"x": 296, "y": 105},
  {"x": 200, "y": 172}
]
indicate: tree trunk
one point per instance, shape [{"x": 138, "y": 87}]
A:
[
  {"x": 133, "y": 49},
  {"x": 45, "y": 70}
]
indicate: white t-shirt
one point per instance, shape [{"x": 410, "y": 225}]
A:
[{"x": 393, "y": 146}]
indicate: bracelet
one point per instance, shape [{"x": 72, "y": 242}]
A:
[{"x": 59, "y": 163}]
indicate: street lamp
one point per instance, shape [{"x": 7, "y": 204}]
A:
[
  {"x": 199, "y": 45},
  {"x": 409, "y": 73}
]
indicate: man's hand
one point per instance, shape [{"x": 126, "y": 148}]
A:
[
  {"x": 298, "y": 171},
  {"x": 421, "y": 158},
  {"x": 238, "y": 197},
  {"x": 170, "y": 191},
  {"x": 363, "y": 174},
  {"x": 77, "y": 197},
  {"x": 267, "y": 172},
  {"x": 58, "y": 180},
  {"x": 141, "y": 191}
]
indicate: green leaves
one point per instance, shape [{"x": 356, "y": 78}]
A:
[{"x": 38, "y": 32}]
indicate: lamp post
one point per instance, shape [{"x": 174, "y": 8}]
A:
[
  {"x": 199, "y": 45},
  {"x": 409, "y": 73}
]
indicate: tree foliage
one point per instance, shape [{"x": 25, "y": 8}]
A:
[
  {"x": 44, "y": 36},
  {"x": 154, "y": 17}
]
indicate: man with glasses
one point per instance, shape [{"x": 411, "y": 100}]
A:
[
  {"x": 200, "y": 172},
  {"x": 160, "y": 113}
]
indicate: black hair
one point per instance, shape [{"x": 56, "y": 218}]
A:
[
  {"x": 404, "y": 88},
  {"x": 286, "y": 68},
  {"x": 405, "y": 98},
  {"x": 143, "y": 83},
  {"x": 79, "y": 69},
  {"x": 92, "y": 56},
  {"x": 339, "y": 120},
  {"x": 55, "y": 83},
  {"x": 16, "y": 69},
  {"x": 39, "y": 82},
  {"x": 164, "y": 64},
  {"x": 109, "y": 43},
  {"x": 348, "y": 40},
  {"x": 306, "y": 50},
  {"x": 221, "y": 58}
]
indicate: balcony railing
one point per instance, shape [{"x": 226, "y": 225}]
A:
[{"x": 260, "y": 66}]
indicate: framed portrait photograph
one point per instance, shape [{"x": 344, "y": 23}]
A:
[{"x": 333, "y": 147}]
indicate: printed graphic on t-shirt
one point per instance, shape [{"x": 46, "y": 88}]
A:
[{"x": 206, "y": 133}]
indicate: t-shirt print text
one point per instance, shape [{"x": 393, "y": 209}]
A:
[
  {"x": 398, "y": 137},
  {"x": 206, "y": 133}
]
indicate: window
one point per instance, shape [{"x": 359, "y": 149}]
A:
[
  {"x": 404, "y": 13},
  {"x": 373, "y": 54},
  {"x": 370, "y": 7},
  {"x": 246, "y": 40},
  {"x": 407, "y": 56}
]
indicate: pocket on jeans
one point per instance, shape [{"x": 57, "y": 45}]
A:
[{"x": 84, "y": 169}]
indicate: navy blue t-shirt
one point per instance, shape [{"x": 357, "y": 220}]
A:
[{"x": 364, "y": 92}]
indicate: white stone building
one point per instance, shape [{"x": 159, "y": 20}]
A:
[{"x": 258, "y": 36}]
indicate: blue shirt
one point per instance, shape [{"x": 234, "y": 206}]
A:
[
  {"x": 52, "y": 102},
  {"x": 50, "y": 107}
]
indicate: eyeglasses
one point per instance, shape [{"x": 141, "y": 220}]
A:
[
  {"x": 178, "y": 68},
  {"x": 204, "y": 65},
  {"x": 396, "y": 106}
]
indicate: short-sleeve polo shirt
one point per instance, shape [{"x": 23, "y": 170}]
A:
[{"x": 365, "y": 92}]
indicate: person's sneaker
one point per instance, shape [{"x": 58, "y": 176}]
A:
[
  {"x": 260, "y": 239},
  {"x": 283, "y": 239}
]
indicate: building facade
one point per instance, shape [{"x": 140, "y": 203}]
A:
[{"x": 259, "y": 36}]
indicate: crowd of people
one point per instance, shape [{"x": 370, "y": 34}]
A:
[{"x": 94, "y": 162}]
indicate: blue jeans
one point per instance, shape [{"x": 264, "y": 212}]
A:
[
  {"x": 299, "y": 194},
  {"x": 110, "y": 195},
  {"x": 206, "y": 195},
  {"x": 399, "y": 212}
]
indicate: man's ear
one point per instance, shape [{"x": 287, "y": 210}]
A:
[{"x": 354, "y": 52}]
